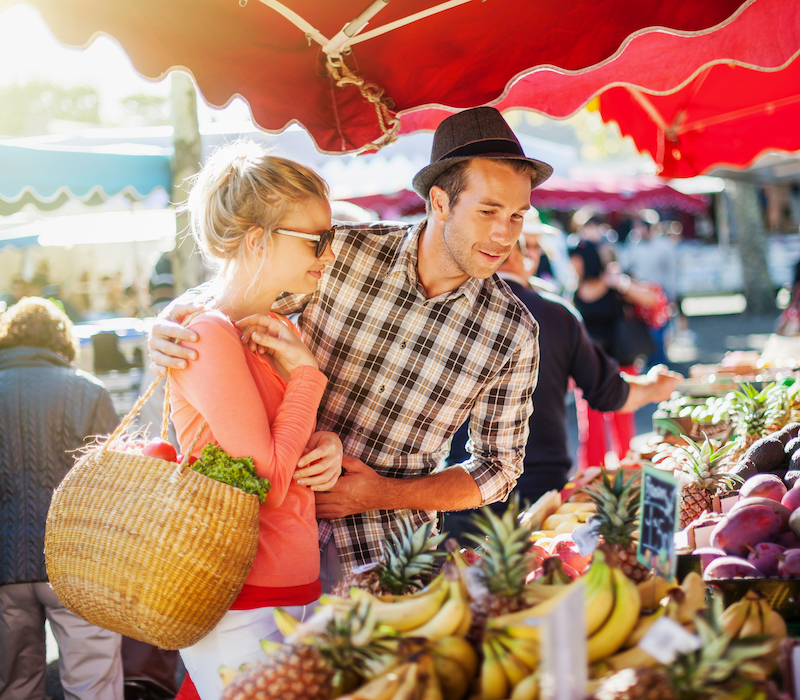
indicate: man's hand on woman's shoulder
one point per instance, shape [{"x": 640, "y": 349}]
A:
[{"x": 166, "y": 334}]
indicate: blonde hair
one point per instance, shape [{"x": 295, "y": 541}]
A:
[
  {"x": 240, "y": 186},
  {"x": 39, "y": 323}
]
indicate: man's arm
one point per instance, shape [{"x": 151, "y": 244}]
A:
[
  {"x": 361, "y": 489},
  {"x": 501, "y": 417},
  {"x": 655, "y": 386},
  {"x": 604, "y": 387}
]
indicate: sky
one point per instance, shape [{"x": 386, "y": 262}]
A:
[{"x": 28, "y": 51}]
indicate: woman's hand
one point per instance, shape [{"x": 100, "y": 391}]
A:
[
  {"x": 321, "y": 465},
  {"x": 166, "y": 334},
  {"x": 277, "y": 340}
]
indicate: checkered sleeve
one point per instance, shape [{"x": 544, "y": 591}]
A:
[{"x": 499, "y": 423}]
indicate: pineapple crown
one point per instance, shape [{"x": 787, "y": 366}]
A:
[
  {"x": 505, "y": 561},
  {"x": 755, "y": 411},
  {"x": 702, "y": 464},
  {"x": 718, "y": 660},
  {"x": 410, "y": 557},
  {"x": 350, "y": 642},
  {"x": 617, "y": 504}
]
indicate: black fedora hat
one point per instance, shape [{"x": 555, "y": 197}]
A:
[{"x": 474, "y": 133}]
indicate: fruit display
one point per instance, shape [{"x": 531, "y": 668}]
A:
[{"x": 473, "y": 630}]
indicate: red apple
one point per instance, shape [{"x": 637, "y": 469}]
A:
[{"x": 160, "y": 449}]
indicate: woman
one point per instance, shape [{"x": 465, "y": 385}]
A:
[
  {"x": 47, "y": 411},
  {"x": 600, "y": 298},
  {"x": 265, "y": 223}
]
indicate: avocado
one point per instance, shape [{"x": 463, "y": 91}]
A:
[
  {"x": 788, "y": 432},
  {"x": 791, "y": 477},
  {"x": 766, "y": 453}
]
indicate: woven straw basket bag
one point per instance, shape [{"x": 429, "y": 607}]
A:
[{"x": 148, "y": 548}]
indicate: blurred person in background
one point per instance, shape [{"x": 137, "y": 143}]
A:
[
  {"x": 567, "y": 354},
  {"x": 47, "y": 410},
  {"x": 550, "y": 263},
  {"x": 53, "y": 293},
  {"x": 652, "y": 258},
  {"x": 18, "y": 290},
  {"x": 600, "y": 299}
]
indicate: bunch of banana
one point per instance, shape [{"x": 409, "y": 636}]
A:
[
  {"x": 441, "y": 670},
  {"x": 601, "y": 601},
  {"x": 438, "y": 612},
  {"x": 568, "y": 517},
  {"x": 752, "y": 616},
  {"x": 509, "y": 668},
  {"x": 681, "y": 604}
]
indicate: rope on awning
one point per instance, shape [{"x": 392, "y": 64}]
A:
[{"x": 343, "y": 41}]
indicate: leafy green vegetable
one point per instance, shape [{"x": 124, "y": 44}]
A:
[{"x": 240, "y": 472}]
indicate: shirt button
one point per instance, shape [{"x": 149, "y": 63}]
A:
[
  {"x": 360, "y": 430},
  {"x": 403, "y": 345},
  {"x": 380, "y": 390}
]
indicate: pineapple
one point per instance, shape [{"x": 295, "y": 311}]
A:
[
  {"x": 618, "y": 517},
  {"x": 407, "y": 565},
  {"x": 757, "y": 413},
  {"x": 720, "y": 670},
  {"x": 700, "y": 471},
  {"x": 504, "y": 562},
  {"x": 335, "y": 662}
]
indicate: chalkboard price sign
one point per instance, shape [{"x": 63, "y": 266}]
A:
[{"x": 658, "y": 517}]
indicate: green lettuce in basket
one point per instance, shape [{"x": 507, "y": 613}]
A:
[{"x": 240, "y": 472}]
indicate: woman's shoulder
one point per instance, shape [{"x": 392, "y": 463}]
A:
[{"x": 213, "y": 321}]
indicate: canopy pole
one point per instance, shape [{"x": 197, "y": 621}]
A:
[
  {"x": 297, "y": 21},
  {"x": 350, "y": 32},
  {"x": 648, "y": 107},
  {"x": 336, "y": 44},
  {"x": 403, "y": 22}
]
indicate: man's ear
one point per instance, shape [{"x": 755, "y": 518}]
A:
[{"x": 440, "y": 203}]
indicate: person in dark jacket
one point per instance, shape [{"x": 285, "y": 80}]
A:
[
  {"x": 47, "y": 411},
  {"x": 602, "y": 294},
  {"x": 566, "y": 352}
]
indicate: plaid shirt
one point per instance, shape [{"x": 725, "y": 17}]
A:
[{"x": 406, "y": 371}]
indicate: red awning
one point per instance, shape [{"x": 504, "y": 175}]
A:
[
  {"x": 459, "y": 53},
  {"x": 603, "y": 193}
]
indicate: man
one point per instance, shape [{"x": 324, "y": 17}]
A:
[
  {"x": 416, "y": 334},
  {"x": 565, "y": 351}
]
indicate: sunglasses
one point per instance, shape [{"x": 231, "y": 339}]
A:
[{"x": 323, "y": 239}]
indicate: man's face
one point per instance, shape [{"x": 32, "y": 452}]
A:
[
  {"x": 486, "y": 221},
  {"x": 533, "y": 252}
]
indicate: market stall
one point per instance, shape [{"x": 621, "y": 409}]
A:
[{"x": 585, "y": 592}]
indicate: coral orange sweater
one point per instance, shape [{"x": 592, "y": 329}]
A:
[{"x": 253, "y": 412}]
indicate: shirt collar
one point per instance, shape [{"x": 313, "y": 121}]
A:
[
  {"x": 405, "y": 262},
  {"x": 511, "y": 277}
]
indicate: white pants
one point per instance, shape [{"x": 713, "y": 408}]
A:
[{"x": 233, "y": 642}]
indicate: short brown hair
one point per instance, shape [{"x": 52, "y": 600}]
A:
[
  {"x": 39, "y": 323},
  {"x": 454, "y": 180}
]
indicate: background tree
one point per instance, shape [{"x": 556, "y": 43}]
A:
[{"x": 27, "y": 109}]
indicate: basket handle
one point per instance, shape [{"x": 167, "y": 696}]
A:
[{"x": 126, "y": 421}]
